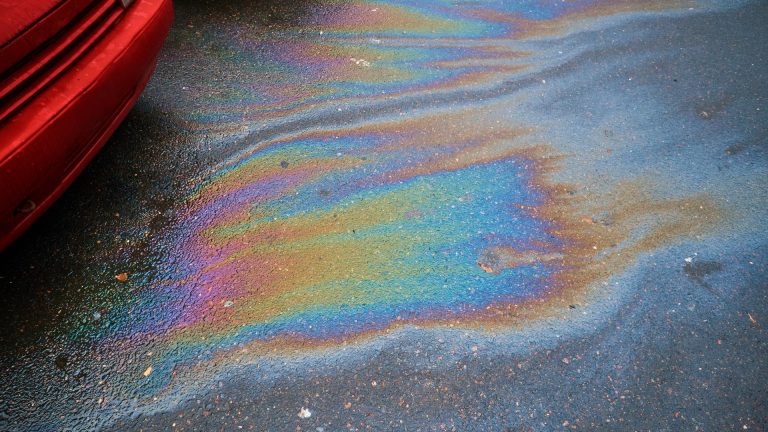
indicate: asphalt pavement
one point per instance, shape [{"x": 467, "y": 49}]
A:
[{"x": 416, "y": 216}]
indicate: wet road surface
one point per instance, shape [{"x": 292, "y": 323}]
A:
[{"x": 406, "y": 215}]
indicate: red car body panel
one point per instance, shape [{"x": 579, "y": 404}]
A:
[
  {"x": 59, "y": 115},
  {"x": 18, "y": 16}
]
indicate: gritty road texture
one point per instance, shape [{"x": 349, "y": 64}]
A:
[{"x": 416, "y": 216}]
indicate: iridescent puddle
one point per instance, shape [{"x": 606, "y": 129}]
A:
[{"x": 379, "y": 177}]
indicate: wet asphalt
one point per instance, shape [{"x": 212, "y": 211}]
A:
[{"x": 682, "y": 347}]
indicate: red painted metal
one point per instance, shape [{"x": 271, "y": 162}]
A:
[
  {"x": 23, "y": 31},
  {"x": 65, "y": 99}
]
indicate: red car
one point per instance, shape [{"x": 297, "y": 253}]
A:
[{"x": 70, "y": 70}]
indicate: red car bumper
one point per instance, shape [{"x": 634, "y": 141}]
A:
[{"x": 46, "y": 143}]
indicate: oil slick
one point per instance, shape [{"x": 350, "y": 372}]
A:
[
  {"x": 381, "y": 179},
  {"x": 337, "y": 231},
  {"x": 337, "y": 237}
]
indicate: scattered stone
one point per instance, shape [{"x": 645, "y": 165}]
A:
[
  {"x": 61, "y": 361},
  {"x": 305, "y": 413},
  {"x": 361, "y": 62},
  {"x": 148, "y": 371},
  {"x": 229, "y": 304},
  {"x": 751, "y": 319},
  {"x": 122, "y": 277}
]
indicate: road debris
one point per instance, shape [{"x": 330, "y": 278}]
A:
[
  {"x": 751, "y": 319},
  {"x": 361, "y": 62}
]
